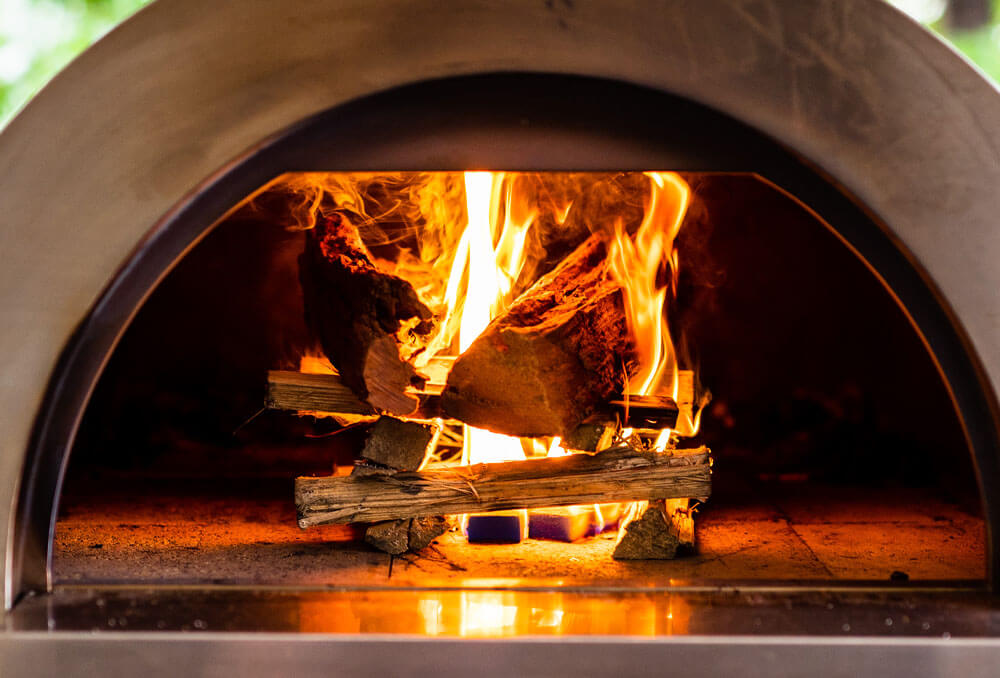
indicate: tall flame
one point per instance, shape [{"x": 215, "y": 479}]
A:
[
  {"x": 646, "y": 266},
  {"x": 637, "y": 264},
  {"x": 490, "y": 271}
]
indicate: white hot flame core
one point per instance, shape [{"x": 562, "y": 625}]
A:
[{"x": 490, "y": 272}]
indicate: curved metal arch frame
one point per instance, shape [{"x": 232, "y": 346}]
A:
[
  {"x": 126, "y": 132},
  {"x": 629, "y": 130}
]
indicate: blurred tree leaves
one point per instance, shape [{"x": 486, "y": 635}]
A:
[{"x": 39, "y": 37}]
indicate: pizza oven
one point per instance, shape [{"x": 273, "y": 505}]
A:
[{"x": 539, "y": 337}]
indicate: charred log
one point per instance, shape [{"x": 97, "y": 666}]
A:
[
  {"x": 356, "y": 311},
  {"x": 659, "y": 532},
  {"x": 391, "y": 536}
]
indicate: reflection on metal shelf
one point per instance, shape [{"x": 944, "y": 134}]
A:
[{"x": 509, "y": 613}]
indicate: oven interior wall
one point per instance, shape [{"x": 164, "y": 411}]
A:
[{"x": 828, "y": 422}]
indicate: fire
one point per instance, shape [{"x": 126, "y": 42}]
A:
[
  {"x": 492, "y": 254},
  {"x": 470, "y": 243},
  {"x": 490, "y": 272},
  {"x": 313, "y": 362},
  {"x": 638, "y": 263}
]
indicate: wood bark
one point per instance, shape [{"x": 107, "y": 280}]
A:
[
  {"x": 391, "y": 536},
  {"x": 400, "y": 536},
  {"x": 397, "y": 444},
  {"x": 662, "y": 529},
  {"x": 356, "y": 311},
  {"x": 617, "y": 474},
  {"x": 545, "y": 364}
]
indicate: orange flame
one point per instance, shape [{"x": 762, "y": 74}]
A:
[
  {"x": 646, "y": 266},
  {"x": 472, "y": 242},
  {"x": 636, "y": 264}
]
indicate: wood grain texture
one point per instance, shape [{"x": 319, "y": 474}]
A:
[
  {"x": 302, "y": 392},
  {"x": 326, "y": 393},
  {"x": 546, "y": 363},
  {"x": 356, "y": 310},
  {"x": 617, "y": 474}
]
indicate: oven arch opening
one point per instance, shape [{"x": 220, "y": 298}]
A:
[{"x": 576, "y": 123}]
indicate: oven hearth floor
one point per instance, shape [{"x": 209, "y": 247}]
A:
[{"x": 152, "y": 533}]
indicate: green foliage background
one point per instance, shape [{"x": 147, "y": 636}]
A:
[
  {"x": 981, "y": 46},
  {"x": 39, "y": 37}
]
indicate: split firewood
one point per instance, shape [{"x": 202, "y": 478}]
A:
[
  {"x": 326, "y": 393},
  {"x": 658, "y": 532},
  {"x": 685, "y": 393},
  {"x": 617, "y": 474},
  {"x": 399, "y": 536},
  {"x": 546, "y": 363},
  {"x": 397, "y": 444},
  {"x": 589, "y": 437},
  {"x": 301, "y": 392},
  {"x": 357, "y": 311},
  {"x": 391, "y": 536}
]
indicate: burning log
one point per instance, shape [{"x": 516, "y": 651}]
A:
[
  {"x": 425, "y": 530},
  {"x": 546, "y": 363},
  {"x": 657, "y": 533},
  {"x": 589, "y": 437},
  {"x": 326, "y": 393},
  {"x": 618, "y": 474},
  {"x": 356, "y": 311}
]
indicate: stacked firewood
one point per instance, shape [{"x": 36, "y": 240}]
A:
[{"x": 553, "y": 364}]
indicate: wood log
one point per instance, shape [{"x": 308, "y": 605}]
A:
[
  {"x": 326, "y": 393},
  {"x": 616, "y": 474},
  {"x": 400, "y": 536},
  {"x": 321, "y": 393},
  {"x": 397, "y": 444},
  {"x": 356, "y": 311},
  {"x": 425, "y": 530},
  {"x": 589, "y": 437},
  {"x": 391, "y": 536},
  {"x": 658, "y": 532},
  {"x": 546, "y": 363}
]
